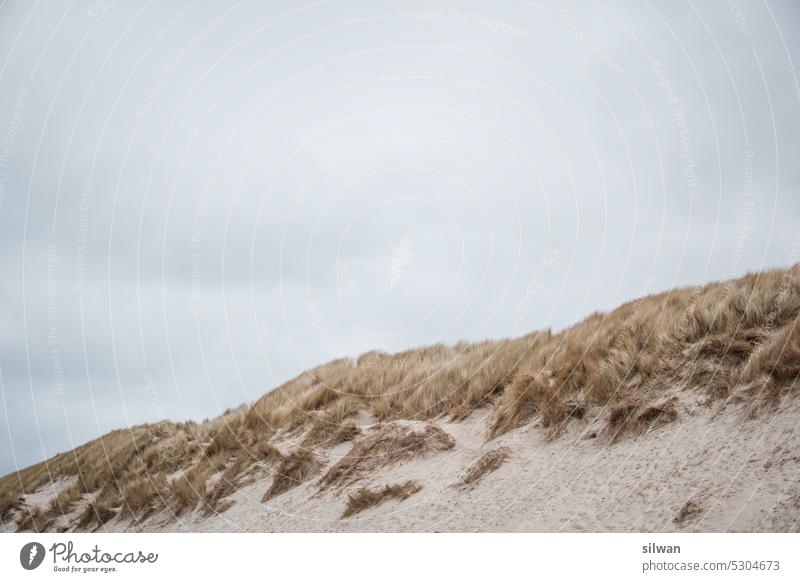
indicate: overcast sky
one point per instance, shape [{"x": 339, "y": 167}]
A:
[{"x": 198, "y": 200}]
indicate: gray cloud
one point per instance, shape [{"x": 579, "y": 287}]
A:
[{"x": 197, "y": 201}]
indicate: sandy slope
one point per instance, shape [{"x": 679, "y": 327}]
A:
[
  {"x": 743, "y": 474},
  {"x": 649, "y": 364}
]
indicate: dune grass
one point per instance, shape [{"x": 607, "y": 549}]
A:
[
  {"x": 297, "y": 467},
  {"x": 487, "y": 463},
  {"x": 384, "y": 446},
  {"x": 734, "y": 342},
  {"x": 364, "y": 498}
]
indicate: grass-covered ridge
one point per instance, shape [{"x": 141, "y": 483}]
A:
[{"x": 730, "y": 342}]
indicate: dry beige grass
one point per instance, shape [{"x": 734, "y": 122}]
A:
[
  {"x": 95, "y": 514},
  {"x": 384, "y": 446},
  {"x": 139, "y": 495},
  {"x": 33, "y": 519},
  {"x": 365, "y": 498},
  {"x": 10, "y": 502},
  {"x": 64, "y": 501},
  {"x": 715, "y": 336},
  {"x": 688, "y": 511},
  {"x": 416, "y": 384},
  {"x": 267, "y": 452},
  {"x": 188, "y": 489},
  {"x": 736, "y": 341},
  {"x": 332, "y": 427},
  {"x": 488, "y": 463},
  {"x": 636, "y": 418},
  {"x": 297, "y": 467}
]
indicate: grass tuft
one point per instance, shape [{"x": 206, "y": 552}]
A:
[
  {"x": 33, "y": 519},
  {"x": 488, "y": 463},
  {"x": 96, "y": 512},
  {"x": 636, "y": 418},
  {"x": 688, "y": 511},
  {"x": 385, "y": 445},
  {"x": 365, "y": 498},
  {"x": 296, "y": 468}
]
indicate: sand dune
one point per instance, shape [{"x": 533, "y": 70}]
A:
[{"x": 676, "y": 412}]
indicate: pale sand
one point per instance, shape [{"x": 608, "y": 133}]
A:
[{"x": 742, "y": 474}]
